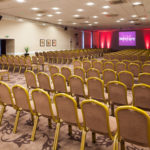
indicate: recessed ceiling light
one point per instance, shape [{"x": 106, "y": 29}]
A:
[
  {"x": 80, "y": 10},
  {"x": 74, "y": 23},
  {"x": 35, "y": 8},
  {"x": 76, "y": 15},
  {"x": 90, "y": 4},
  {"x": 95, "y": 22},
  {"x": 131, "y": 21},
  {"x": 118, "y": 21},
  {"x": 37, "y": 18},
  {"x": 20, "y": 20},
  {"x": 59, "y": 20},
  {"x": 20, "y": 1},
  {"x": 143, "y": 18},
  {"x": 106, "y": 7},
  {"x": 58, "y": 12},
  {"x": 121, "y": 19},
  {"x": 104, "y": 13},
  {"x": 55, "y": 8},
  {"x": 134, "y": 16},
  {"x": 95, "y": 16},
  {"x": 50, "y": 15},
  {"x": 86, "y": 21},
  {"x": 90, "y": 24},
  {"x": 39, "y": 15},
  {"x": 44, "y": 24},
  {"x": 137, "y": 3}
]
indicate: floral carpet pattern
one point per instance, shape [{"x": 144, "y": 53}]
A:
[{"x": 44, "y": 135}]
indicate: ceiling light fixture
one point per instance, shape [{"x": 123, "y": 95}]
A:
[
  {"x": 80, "y": 10},
  {"x": 35, "y": 8},
  {"x": 121, "y": 19},
  {"x": 20, "y": 20},
  {"x": 58, "y": 12},
  {"x": 76, "y": 15},
  {"x": 37, "y": 18},
  {"x": 131, "y": 21},
  {"x": 90, "y": 24},
  {"x": 74, "y": 23},
  {"x": 143, "y": 18},
  {"x": 106, "y": 7},
  {"x": 134, "y": 16},
  {"x": 118, "y": 21},
  {"x": 55, "y": 8},
  {"x": 95, "y": 22},
  {"x": 104, "y": 13},
  {"x": 90, "y": 3},
  {"x": 20, "y": 1},
  {"x": 59, "y": 20},
  {"x": 136, "y": 3},
  {"x": 39, "y": 15},
  {"x": 95, "y": 17},
  {"x": 50, "y": 15}
]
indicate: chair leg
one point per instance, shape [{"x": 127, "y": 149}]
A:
[
  {"x": 83, "y": 139},
  {"x": 69, "y": 130},
  {"x": 122, "y": 145},
  {"x": 34, "y": 127},
  {"x": 20, "y": 69},
  {"x": 93, "y": 137},
  {"x": 49, "y": 122},
  {"x": 56, "y": 136},
  {"x": 112, "y": 109},
  {"x": 32, "y": 118},
  {"x": 2, "y": 112},
  {"x": 16, "y": 121},
  {"x": 77, "y": 98}
]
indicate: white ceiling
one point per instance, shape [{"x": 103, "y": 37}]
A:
[{"x": 69, "y": 8}]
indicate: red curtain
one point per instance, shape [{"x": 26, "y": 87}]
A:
[
  {"x": 147, "y": 38},
  {"x": 96, "y": 39},
  {"x": 87, "y": 39}
]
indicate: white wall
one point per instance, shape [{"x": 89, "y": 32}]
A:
[{"x": 28, "y": 34}]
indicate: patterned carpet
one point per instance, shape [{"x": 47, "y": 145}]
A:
[{"x": 44, "y": 135}]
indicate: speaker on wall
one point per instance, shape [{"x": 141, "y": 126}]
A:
[{"x": 1, "y": 17}]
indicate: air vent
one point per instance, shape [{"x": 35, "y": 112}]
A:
[
  {"x": 112, "y": 15},
  {"x": 117, "y": 1}
]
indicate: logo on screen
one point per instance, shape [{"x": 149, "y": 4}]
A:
[{"x": 127, "y": 38}]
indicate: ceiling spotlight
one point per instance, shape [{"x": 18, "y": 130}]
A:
[
  {"x": 95, "y": 17},
  {"x": 86, "y": 21},
  {"x": 55, "y": 8},
  {"x": 74, "y": 23},
  {"x": 134, "y": 16},
  {"x": 59, "y": 20},
  {"x": 80, "y": 10},
  {"x": 121, "y": 19},
  {"x": 137, "y": 3},
  {"x": 50, "y": 15},
  {"x": 20, "y": 20},
  {"x": 90, "y": 24},
  {"x": 35, "y": 8},
  {"x": 44, "y": 24},
  {"x": 76, "y": 15},
  {"x": 143, "y": 18},
  {"x": 39, "y": 15},
  {"x": 118, "y": 21},
  {"x": 95, "y": 22},
  {"x": 58, "y": 12},
  {"x": 20, "y": 1},
  {"x": 104, "y": 13},
  {"x": 106, "y": 7},
  {"x": 37, "y": 18},
  {"x": 90, "y": 4},
  {"x": 131, "y": 21}
]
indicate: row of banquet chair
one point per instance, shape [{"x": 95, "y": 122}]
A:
[
  {"x": 67, "y": 56},
  {"x": 94, "y": 88},
  {"x": 126, "y": 77},
  {"x": 20, "y": 62},
  {"x": 129, "y": 54},
  {"x": 130, "y": 123},
  {"x": 135, "y": 67}
]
